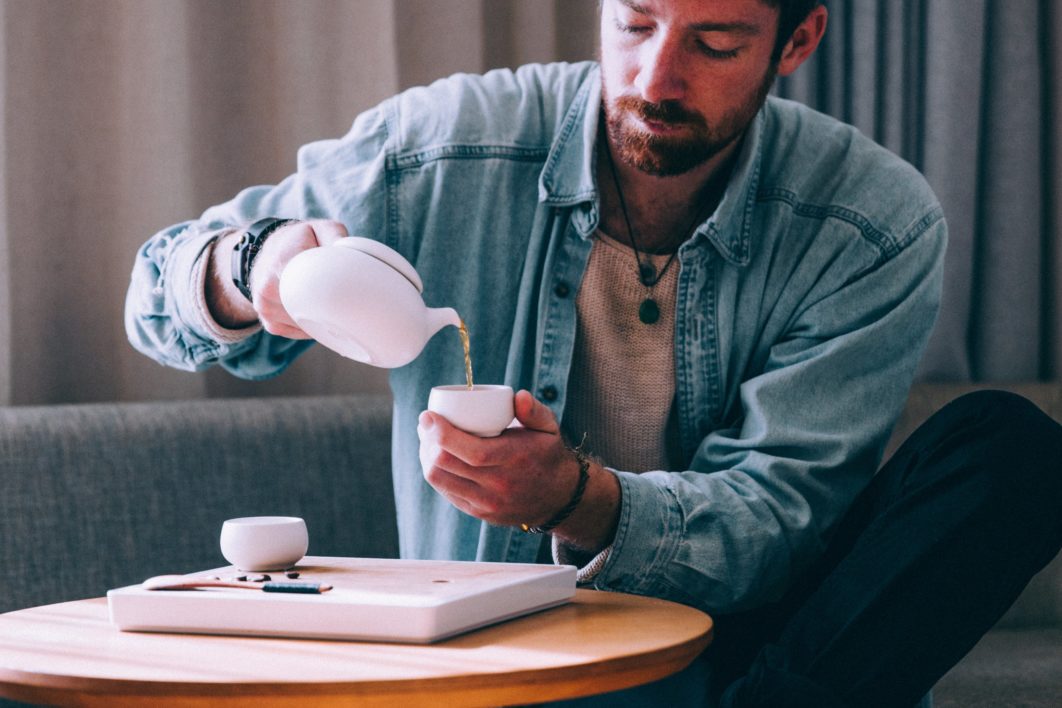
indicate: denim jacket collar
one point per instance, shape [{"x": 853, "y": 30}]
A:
[
  {"x": 730, "y": 226},
  {"x": 568, "y": 177}
]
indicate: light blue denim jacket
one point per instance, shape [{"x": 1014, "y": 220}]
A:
[{"x": 804, "y": 303}]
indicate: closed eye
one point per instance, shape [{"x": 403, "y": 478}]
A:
[
  {"x": 631, "y": 29},
  {"x": 717, "y": 53}
]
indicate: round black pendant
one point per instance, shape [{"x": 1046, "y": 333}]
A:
[
  {"x": 647, "y": 273},
  {"x": 649, "y": 311}
]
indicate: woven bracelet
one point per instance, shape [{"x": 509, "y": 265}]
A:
[{"x": 577, "y": 496}]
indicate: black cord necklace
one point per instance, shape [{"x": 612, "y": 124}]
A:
[{"x": 649, "y": 310}]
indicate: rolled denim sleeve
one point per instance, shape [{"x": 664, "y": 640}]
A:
[
  {"x": 166, "y": 316},
  {"x": 762, "y": 496}
]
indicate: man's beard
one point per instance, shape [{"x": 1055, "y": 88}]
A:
[{"x": 665, "y": 156}]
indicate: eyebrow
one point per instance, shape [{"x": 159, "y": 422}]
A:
[{"x": 742, "y": 28}]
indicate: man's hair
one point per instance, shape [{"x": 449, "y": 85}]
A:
[{"x": 790, "y": 14}]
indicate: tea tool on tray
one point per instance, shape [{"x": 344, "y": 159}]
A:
[{"x": 190, "y": 582}]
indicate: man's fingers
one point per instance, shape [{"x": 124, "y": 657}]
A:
[
  {"x": 451, "y": 477},
  {"x": 274, "y": 318},
  {"x": 466, "y": 453},
  {"x": 499, "y": 480},
  {"x": 283, "y": 245},
  {"x": 311, "y": 233},
  {"x": 282, "y": 330},
  {"x": 450, "y": 484},
  {"x": 327, "y": 232},
  {"x": 534, "y": 414},
  {"x": 512, "y": 448}
]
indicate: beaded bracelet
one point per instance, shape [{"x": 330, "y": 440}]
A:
[
  {"x": 247, "y": 248},
  {"x": 577, "y": 496}
]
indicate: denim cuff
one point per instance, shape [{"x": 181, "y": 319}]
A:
[
  {"x": 647, "y": 536},
  {"x": 192, "y": 258}
]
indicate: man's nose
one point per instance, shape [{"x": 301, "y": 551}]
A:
[{"x": 660, "y": 74}]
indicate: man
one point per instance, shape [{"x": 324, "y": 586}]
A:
[{"x": 714, "y": 302}]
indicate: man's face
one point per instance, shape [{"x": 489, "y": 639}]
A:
[{"x": 682, "y": 79}]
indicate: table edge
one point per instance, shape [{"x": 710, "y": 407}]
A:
[{"x": 462, "y": 689}]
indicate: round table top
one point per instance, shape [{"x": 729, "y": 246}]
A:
[{"x": 70, "y": 652}]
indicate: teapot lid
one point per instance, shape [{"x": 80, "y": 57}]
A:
[{"x": 386, "y": 254}]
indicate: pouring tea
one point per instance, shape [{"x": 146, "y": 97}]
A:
[{"x": 363, "y": 300}]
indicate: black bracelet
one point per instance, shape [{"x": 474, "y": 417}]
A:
[
  {"x": 577, "y": 496},
  {"x": 247, "y": 248}
]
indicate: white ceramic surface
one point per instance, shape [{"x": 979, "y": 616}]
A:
[
  {"x": 373, "y": 599},
  {"x": 485, "y": 410},
  {"x": 363, "y": 300},
  {"x": 261, "y": 543}
]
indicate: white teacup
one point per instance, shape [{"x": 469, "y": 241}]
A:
[
  {"x": 483, "y": 410},
  {"x": 259, "y": 543}
]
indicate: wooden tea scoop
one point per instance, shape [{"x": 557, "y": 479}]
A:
[{"x": 188, "y": 582}]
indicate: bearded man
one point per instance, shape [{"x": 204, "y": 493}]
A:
[{"x": 718, "y": 297}]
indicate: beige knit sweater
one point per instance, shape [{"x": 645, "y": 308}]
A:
[{"x": 621, "y": 388}]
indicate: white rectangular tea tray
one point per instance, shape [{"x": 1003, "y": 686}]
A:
[{"x": 372, "y": 599}]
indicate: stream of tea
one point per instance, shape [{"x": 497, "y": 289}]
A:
[{"x": 463, "y": 331}]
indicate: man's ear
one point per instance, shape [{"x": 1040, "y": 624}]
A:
[{"x": 805, "y": 39}]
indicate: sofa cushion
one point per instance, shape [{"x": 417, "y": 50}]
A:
[{"x": 102, "y": 495}]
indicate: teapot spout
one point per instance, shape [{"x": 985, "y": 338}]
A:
[{"x": 440, "y": 317}]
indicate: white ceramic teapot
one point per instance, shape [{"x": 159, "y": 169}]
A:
[{"x": 362, "y": 299}]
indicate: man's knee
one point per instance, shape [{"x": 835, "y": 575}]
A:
[
  {"x": 1017, "y": 445},
  {"x": 1004, "y": 416},
  {"x": 1000, "y": 407},
  {"x": 1014, "y": 446}
]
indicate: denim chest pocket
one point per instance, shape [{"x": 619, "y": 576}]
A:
[{"x": 466, "y": 234}]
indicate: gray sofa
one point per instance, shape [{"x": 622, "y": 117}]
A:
[{"x": 102, "y": 495}]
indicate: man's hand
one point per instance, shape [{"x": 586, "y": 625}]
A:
[
  {"x": 525, "y": 475},
  {"x": 228, "y": 305}
]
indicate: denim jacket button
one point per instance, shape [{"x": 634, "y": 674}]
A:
[
  {"x": 561, "y": 290},
  {"x": 549, "y": 393}
]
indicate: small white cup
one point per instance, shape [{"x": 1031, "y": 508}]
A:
[
  {"x": 260, "y": 543},
  {"x": 483, "y": 410}
]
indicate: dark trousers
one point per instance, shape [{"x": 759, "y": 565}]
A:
[{"x": 934, "y": 551}]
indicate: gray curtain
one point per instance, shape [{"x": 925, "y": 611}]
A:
[
  {"x": 122, "y": 116},
  {"x": 968, "y": 92}
]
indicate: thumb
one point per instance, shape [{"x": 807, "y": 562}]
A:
[{"x": 533, "y": 414}]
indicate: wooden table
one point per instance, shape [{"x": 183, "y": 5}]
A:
[{"x": 70, "y": 653}]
